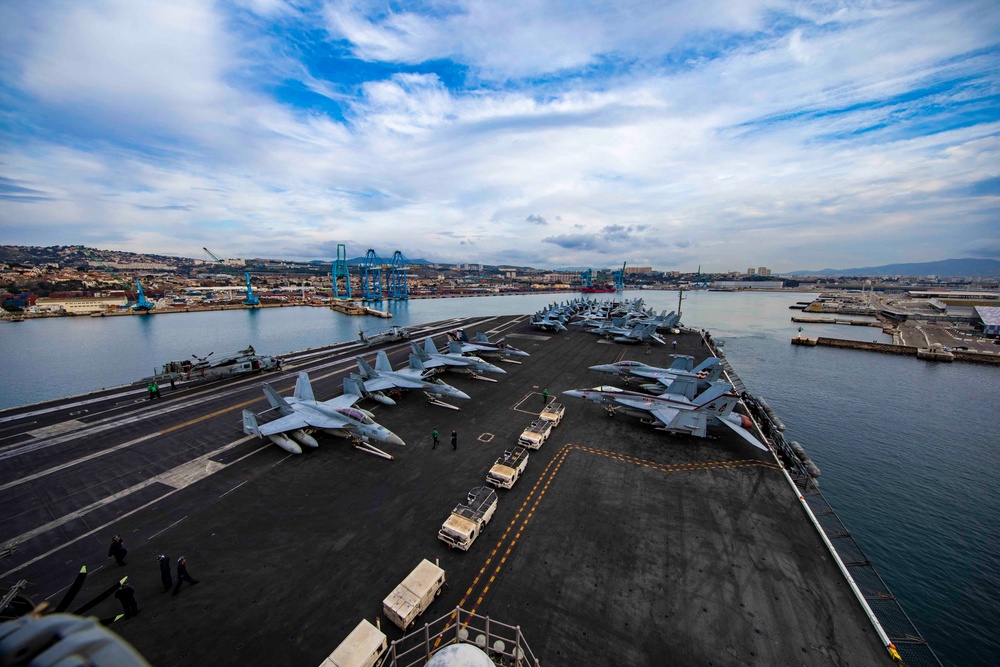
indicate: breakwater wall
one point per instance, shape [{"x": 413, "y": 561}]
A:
[{"x": 889, "y": 348}]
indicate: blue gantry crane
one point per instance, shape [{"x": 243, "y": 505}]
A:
[
  {"x": 398, "y": 287},
  {"x": 587, "y": 278},
  {"x": 340, "y": 271},
  {"x": 142, "y": 304},
  {"x": 250, "y": 300},
  {"x": 701, "y": 281},
  {"x": 371, "y": 276},
  {"x": 619, "y": 278}
]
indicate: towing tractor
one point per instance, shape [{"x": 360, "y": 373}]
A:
[
  {"x": 508, "y": 468},
  {"x": 553, "y": 412},
  {"x": 536, "y": 434},
  {"x": 468, "y": 519},
  {"x": 412, "y": 597}
]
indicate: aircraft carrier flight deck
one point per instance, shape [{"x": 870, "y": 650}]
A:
[{"x": 619, "y": 545}]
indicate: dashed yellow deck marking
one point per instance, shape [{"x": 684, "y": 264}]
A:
[{"x": 547, "y": 476}]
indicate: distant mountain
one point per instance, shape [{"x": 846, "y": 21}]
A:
[{"x": 986, "y": 268}]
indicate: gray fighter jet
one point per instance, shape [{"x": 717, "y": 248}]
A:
[
  {"x": 381, "y": 378},
  {"x": 453, "y": 360},
  {"x": 546, "y": 321},
  {"x": 676, "y": 413},
  {"x": 683, "y": 377},
  {"x": 483, "y": 347},
  {"x": 301, "y": 414}
]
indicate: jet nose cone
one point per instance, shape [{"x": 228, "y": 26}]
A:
[
  {"x": 460, "y": 394},
  {"x": 575, "y": 393},
  {"x": 393, "y": 439}
]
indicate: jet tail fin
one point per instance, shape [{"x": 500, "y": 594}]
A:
[
  {"x": 682, "y": 362},
  {"x": 454, "y": 347},
  {"x": 303, "y": 388},
  {"x": 683, "y": 386},
  {"x": 276, "y": 401},
  {"x": 416, "y": 364},
  {"x": 707, "y": 365},
  {"x": 417, "y": 350},
  {"x": 382, "y": 362},
  {"x": 717, "y": 400},
  {"x": 353, "y": 385},
  {"x": 429, "y": 346},
  {"x": 367, "y": 372},
  {"x": 482, "y": 338},
  {"x": 250, "y": 424}
]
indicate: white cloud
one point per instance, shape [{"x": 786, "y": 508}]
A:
[{"x": 148, "y": 131}]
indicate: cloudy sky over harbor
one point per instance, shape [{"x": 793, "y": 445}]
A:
[{"x": 794, "y": 135}]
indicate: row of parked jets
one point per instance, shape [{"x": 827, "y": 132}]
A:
[
  {"x": 626, "y": 322},
  {"x": 683, "y": 398},
  {"x": 301, "y": 414}
]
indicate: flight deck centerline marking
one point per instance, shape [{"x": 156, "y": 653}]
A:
[
  {"x": 167, "y": 528},
  {"x": 234, "y": 488}
]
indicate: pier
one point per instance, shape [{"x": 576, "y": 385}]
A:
[{"x": 928, "y": 353}]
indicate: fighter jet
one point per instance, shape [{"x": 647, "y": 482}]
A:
[
  {"x": 640, "y": 333},
  {"x": 302, "y": 414},
  {"x": 662, "y": 321},
  {"x": 453, "y": 360},
  {"x": 546, "y": 322},
  {"x": 676, "y": 413},
  {"x": 483, "y": 347},
  {"x": 681, "y": 378},
  {"x": 382, "y": 377}
]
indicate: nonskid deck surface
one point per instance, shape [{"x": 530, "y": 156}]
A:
[{"x": 619, "y": 545}]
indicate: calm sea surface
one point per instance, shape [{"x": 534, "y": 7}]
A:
[{"x": 910, "y": 450}]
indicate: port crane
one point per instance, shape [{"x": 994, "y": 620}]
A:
[
  {"x": 371, "y": 276},
  {"x": 339, "y": 270},
  {"x": 398, "y": 288},
  {"x": 619, "y": 278},
  {"x": 142, "y": 303},
  {"x": 251, "y": 300}
]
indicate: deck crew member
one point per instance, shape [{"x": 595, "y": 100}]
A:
[
  {"x": 545, "y": 396},
  {"x": 118, "y": 549},
  {"x": 182, "y": 574},
  {"x": 165, "y": 577},
  {"x": 434, "y": 434},
  {"x": 454, "y": 439},
  {"x": 126, "y": 594}
]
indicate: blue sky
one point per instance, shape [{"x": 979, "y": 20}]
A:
[{"x": 672, "y": 134}]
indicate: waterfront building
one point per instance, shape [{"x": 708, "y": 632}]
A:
[
  {"x": 990, "y": 316},
  {"x": 83, "y": 305}
]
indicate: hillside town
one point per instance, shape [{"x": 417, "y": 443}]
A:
[{"x": 75, "y": 280}]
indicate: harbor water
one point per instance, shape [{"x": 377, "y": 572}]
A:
[{"x": 909, "y": 449}]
